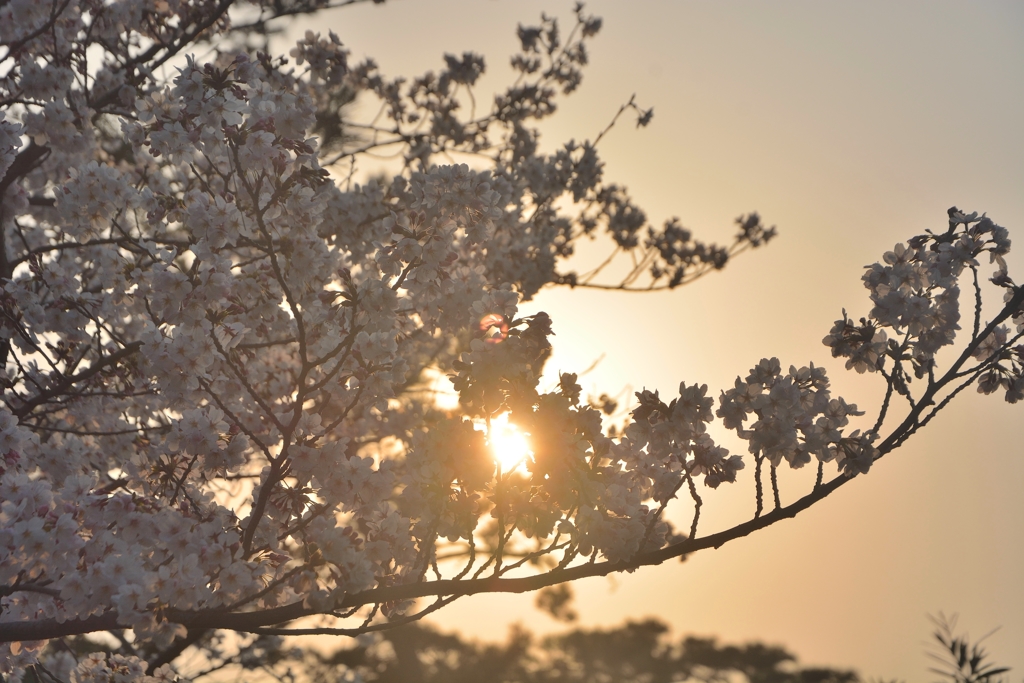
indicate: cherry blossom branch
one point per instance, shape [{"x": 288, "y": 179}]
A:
[
  {"x": 61, "y": 387},
  {"x": 912, "y": 422},
  {"x": 16, "y": 46},
  {"x": 248, "y": 621},
  {"x": 260, "y": 25}
]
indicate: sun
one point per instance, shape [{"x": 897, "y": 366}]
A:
[{"x": 509, "y": 445}]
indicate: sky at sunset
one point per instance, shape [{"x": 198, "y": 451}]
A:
[{"x": 850, "y": 126}]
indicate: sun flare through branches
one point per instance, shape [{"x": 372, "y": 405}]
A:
[{"x": 509, "y": 445}]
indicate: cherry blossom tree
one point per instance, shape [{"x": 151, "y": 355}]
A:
[{"x": 220, "y": 350}]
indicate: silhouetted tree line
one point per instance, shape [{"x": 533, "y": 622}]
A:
[{"x": 637, "y": 652}]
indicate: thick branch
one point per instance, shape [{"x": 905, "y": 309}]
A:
[
  {"x": 68, "y": 382},
  {"x": 246, "y": 621}
]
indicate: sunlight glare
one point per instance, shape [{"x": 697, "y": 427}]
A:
[{"x": 510, "y": 446}]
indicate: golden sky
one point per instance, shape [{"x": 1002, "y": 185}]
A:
[{"x": 851, "y": 126}]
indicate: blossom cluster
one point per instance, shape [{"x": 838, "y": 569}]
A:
[
  {"x": 797, "y": 419},
  {"x": 916, "y": 297},
  {"x": 915, "y": 292}
]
